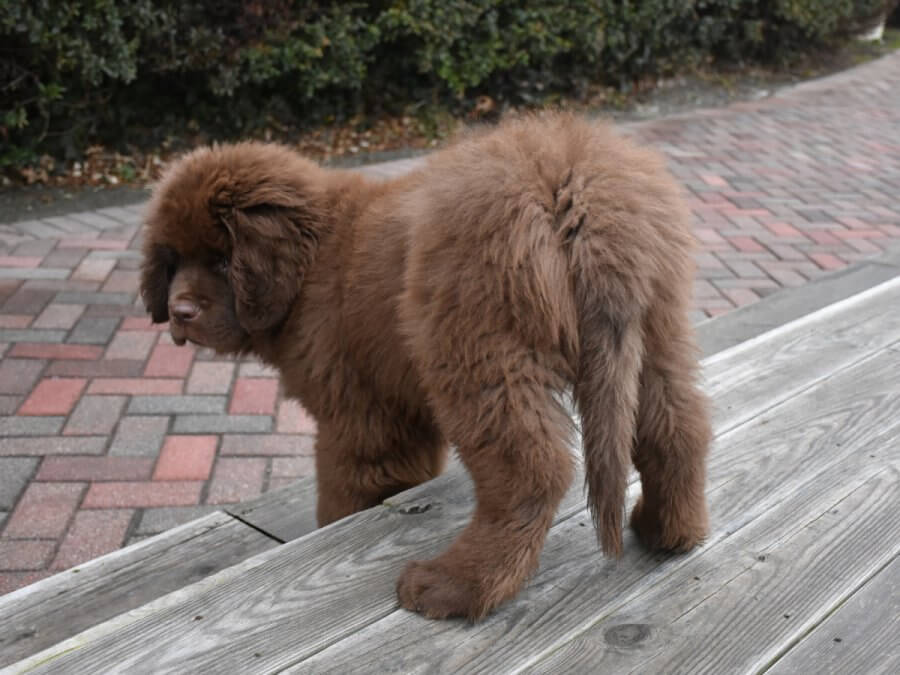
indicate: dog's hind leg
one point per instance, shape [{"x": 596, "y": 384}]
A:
[
  {"x": 513, "y": 436},
  {"x": 673, "y": 435}
]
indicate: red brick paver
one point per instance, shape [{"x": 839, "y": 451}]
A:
[
  {"x": 254, "y": 396},
  {"x": 53, "y": 396},
  {"x": 26, "y": 554},
  {"x": 169, "y": 361},
  {"x": 138, "y": 494},
  {"x": 44, "y": 510},
  {"x": 95, "y": 469},
  {"x": 92, "y": 534},
  {"x": 110, "y": 432},
  {"x": 292, "y": 418},
  {"x": 186, "y": 458},
  {"x": 237, "y": 479},
  {"x": 135, "y": 386}
]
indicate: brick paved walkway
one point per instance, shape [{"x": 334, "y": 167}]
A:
[{"x": 110, "y": 433}]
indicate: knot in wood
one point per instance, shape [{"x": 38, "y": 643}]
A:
[{"x": 627, "y": 634}]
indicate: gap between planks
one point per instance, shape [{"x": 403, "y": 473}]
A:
[{"x": 862, "y": 626}]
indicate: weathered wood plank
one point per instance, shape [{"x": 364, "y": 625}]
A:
[
  {"x": 741, "y": 381},
  {"x": 751, "y": 469},
  {"x": 284, "y": 514},
  {"x": 862, "y": 636},
  {"x": 388, "y": 645},
  {"x": 305, "y": 597},
  {"x": 736, "y": 611},
  {"x": 367, "y": 532},
  {"x": 40, "y": 615}
]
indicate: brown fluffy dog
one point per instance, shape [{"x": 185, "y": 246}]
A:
[{"x": 454, "y": 305}]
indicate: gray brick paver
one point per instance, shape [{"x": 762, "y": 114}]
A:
[
  {"x": 215, "y": 424},
  {"x": 95, "y": 415},
  {"x": 40, "y": 446},
  {"x": 139, "y": 436},
  {"x": 96, "y": 220},
  {"x": 14, "y": 475},
  {"x": 43, "y": 425},
  {"x": 93, "y": 331},
  {"x": 93, "y": 298},
  {"x": 173, "y": 405},
  {"x": 35, "y": 247}
]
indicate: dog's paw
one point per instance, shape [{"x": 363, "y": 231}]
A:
[
  {"x": 432, "y": 589},
  {"x": 675, "y": 532}
]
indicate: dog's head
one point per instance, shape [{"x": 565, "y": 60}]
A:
[{"x": 230, "y": 233}]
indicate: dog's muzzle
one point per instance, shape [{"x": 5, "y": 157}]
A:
[{"x": 181, "y": 313}]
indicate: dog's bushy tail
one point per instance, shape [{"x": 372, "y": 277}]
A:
[{"x": 606, "y": 389}]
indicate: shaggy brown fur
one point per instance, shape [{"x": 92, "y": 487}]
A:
[{"x": 454, "y": 305}]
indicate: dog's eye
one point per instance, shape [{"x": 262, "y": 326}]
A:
[{"x": 221, "y": 265}]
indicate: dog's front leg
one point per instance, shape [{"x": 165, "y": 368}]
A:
[{"x": 357, "y": 468}]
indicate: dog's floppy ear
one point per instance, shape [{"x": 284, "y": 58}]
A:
[
  {"x": 157, "y": 271},
  {"x": 272, "y": 247}
]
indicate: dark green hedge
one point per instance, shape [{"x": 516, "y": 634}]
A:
[{"x": 132, "y": 71}]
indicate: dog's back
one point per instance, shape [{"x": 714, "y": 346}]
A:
[{"x": 547, "y": 242}]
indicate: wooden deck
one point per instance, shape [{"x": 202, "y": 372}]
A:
[{"x": 800, "y": 573}]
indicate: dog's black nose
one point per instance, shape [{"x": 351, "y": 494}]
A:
[{"x": 183, "y": 310}]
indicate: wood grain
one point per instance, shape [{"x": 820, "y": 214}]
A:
[
  {"x": 260, "y": 613},
  {"x": 281, "y": 607},
  {"x": 862, "y": 636},
  {"x": 736, "y": 611},
  {"x": 40, "y": 615},
  {"x": 752, "y": 470}
]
